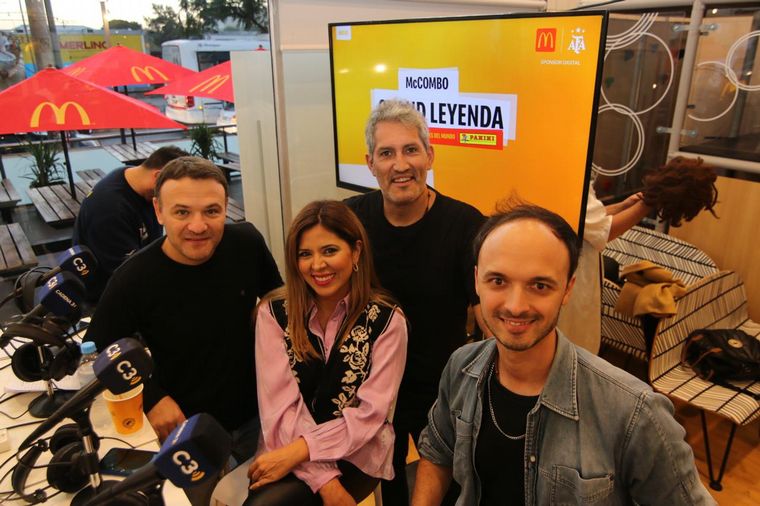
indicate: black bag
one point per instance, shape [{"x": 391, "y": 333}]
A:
[{"x": 723, "y": 355}]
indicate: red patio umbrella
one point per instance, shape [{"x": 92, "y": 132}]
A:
[
  {"x": 214, "y": 82},
  {"x": 54, "y": 101},
  {"x": 121, "y": 66}
]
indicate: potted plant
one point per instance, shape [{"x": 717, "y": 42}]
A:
[
  {"x": 46, "y": 168},
  {"x": 204, "y": 143}
]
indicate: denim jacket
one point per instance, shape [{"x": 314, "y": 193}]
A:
[{"x": 596, "y": 436}]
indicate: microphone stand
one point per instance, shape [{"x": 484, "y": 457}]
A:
[
  {"x": 49, "y": 401},
  {"x": 90, "y": 463}
]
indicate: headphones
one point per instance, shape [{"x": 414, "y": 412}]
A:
[
  {"x": 25, "y": 286},
  {"x": 60, "y": 356},
  {"x": 64, "y": 471}
]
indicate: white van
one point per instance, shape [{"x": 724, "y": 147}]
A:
[{"x": 199, "y": 55}]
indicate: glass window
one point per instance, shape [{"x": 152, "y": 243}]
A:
[
  {"x": 724, "y": 98},
  {"x": 207, "y": 59},
  {"x": 642, "y": 64}
]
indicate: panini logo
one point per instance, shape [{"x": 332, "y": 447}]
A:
[
  {"x": 478, "y": 139},
  {"x": 211, "y": 84},
  {"x": 546, "y": 40},
  {"x": 147, "y": 73},
  {"x": 59, "y": 112}
]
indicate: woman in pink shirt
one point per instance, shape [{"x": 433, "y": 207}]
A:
[{"x": 330, "y": 353}]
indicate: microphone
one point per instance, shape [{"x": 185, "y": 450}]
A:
[
  {"x": 119, "y": 368},
  {"x": 197, "y": 450},
  {"x": 77, "y": 260},
  {"x": 60, "y": 295}
]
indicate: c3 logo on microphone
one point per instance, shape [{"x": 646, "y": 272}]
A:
[
  {"x": 128, "y": 373},
  {"x": 187, "y": 465}
]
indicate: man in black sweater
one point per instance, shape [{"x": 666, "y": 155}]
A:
[
  {"x": 117, "y": 219},
  {"x": 421, "y": 243},
  {"x": 191, "y": 297}
]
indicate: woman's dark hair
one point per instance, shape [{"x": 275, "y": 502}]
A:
[{"x": 680, "y": 189}]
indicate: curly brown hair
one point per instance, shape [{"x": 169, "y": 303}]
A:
[{"x": 680, "y": 189}]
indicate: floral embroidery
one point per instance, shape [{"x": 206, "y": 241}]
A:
[
  {"x": 293, "y": 359},
  {"x": 356, "y": 351}
]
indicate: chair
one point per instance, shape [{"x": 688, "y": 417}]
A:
[
  {"x": 687, "y": 263},
  {"x": 717, "y": 301}
]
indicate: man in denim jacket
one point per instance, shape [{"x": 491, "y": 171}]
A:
[{"x": 528, "y": 417}]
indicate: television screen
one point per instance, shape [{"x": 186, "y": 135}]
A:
[{"x": 510, "y": 101}]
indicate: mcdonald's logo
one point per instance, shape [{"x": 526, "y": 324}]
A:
[
  {"x": 77, "y": 71},
  {"x": 211, "y": 84},
  {"x": 147, "y": 73},
  {"x": 546, "y": 39},
  {"x": 59, "y": 112}
]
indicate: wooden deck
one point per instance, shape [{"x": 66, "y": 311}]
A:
[
  {"x": 55, "y": 205},
  {"x": 91, "y": 176},
  {"x": 126, "y": 154},
  {"x": 9, "y": 199},
  {"x": 15, "y": 251}
]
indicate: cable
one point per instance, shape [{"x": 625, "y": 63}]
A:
[
  {"x": 131, "y": 446},
  {"x": 33, "y": 422},
  {"x": 14, "y": 417},
  {"x": 12, "y": 396}
]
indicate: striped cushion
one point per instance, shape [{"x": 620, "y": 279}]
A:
[
  {"x": 620, "y": 331},
  {"x": 687, "y": 262},
  {"x": 716, "y": 302}
]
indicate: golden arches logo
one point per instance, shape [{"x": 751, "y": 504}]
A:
[
  {"x": 211, "y": 84},
  {"x": 59, "y": 112},
  {"x": 76, "y": 72},
  {"x": 546, "y": 39},
  {"x": 147, "y": 73}
]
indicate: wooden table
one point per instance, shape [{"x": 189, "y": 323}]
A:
[
  {"x": 235, "y": 212},
  {"x": 15, "y": 251},
  {"x": 54, "y": 202},
  {"x": 91, "y": 176},
  {"x": 128, "y": 155},
  {"x": 228, "y": 156},
  {"x": 9, "y": 199}
]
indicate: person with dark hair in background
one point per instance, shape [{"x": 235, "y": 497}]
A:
[
  {"x": 191, "y": 296},
  {"x": 330, "y": 353},
  {"x": 528, "y": 417},
  {"x": 421, "y": 246},
  {"x": 116, "y": 219}
]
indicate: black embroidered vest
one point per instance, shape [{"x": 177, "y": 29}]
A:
[{"x": 329, "y": 384}]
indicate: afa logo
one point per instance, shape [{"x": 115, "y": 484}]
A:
[{"x": 546, "y": 40}]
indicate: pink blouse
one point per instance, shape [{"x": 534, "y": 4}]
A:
[{"x": 362, "y": 435}]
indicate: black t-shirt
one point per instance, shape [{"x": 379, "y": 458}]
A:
[
  {"x": 500, "y": 461},
  {"x": 114, "y": 221},
  {"x": 428, "y": 267},
  {"x": 196, "y": 320}
]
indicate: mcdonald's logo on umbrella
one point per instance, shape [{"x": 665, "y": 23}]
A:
[
  {"x": 75, "y": 72},
  {"x": 214, "y": 82},
  {"x": 149, "y": 73},
  {"x": 211, "y": 84},
  {"x": 121, "y": 66},
  {"x": 59, "y": 113}
]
